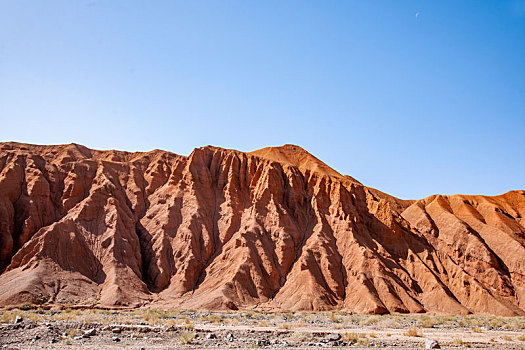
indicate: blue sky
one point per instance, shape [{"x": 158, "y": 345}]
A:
[{"x": 410, "y": 97}]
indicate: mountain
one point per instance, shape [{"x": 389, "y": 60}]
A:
[{"x": 273, "y": 229}]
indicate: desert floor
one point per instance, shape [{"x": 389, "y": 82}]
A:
[{"x": 191, "y": 329}]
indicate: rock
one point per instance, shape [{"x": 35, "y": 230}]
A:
[
  {"x": 431, "y": 344},
  {"x": 333, "y": 337},
  {"x": 18, "y": 319},
  {"x": 340, "y": 343},
  {"x": 115, "y": 339},
  {"x": 230, "y": 337},
  {"x": 116, "y": 330},
  {"x": 211, "y": 336},
  {"x": 78, "y": 337},
  {"x": 262, "y": 342},
  {"x": 278, "y": 343},
  {"x": 89, "y": 333}
]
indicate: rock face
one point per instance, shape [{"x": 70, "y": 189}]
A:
[{"x": 221, "y": 229}]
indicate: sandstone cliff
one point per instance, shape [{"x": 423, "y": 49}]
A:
[{"x": 274, "y": 229}]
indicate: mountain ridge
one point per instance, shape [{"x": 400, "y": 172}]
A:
[{"x": 271, "y": 229}]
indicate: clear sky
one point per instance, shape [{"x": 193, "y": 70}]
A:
[{"x": 410, "y": 97}]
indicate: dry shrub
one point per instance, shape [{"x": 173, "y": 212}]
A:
[
  {"x": 213, "y": 318},
  {"x": 73, "y": 332},
  {"x": 352, "y": 338},
  {"x": 8, "y": 316},
  {"x": 370, "y": 321},
  {"x": 428, "y": 322},
  {"x": 458, "y": 341},
  {"x": 188, "y": 324},
  {"x": 363, "y": 342},
  {"x": 285, "y": 326},
  {"x": 412, "y": 332},
  {"x": 186, "y": 337},
  {"x": 333, "y": 317},
  {"x": 496, "y": 322},
  {"x": 262, "y": 323},
  {"x": 171, "y": 323},
  {"x": 302, "y": 337}
]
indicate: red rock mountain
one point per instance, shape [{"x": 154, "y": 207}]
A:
[{"x": 274, "y": 229}]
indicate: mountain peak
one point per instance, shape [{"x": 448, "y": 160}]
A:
[{"x": 298, "y": 157}]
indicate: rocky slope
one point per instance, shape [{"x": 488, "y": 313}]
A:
[{"x": 274, "y": 229}]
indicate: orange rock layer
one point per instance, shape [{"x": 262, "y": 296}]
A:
[{"x": 275, "y": 229}]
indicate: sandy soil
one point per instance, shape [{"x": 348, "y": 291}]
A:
[{"x": 158, "y": 329}]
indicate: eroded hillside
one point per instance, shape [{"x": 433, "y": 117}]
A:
[{"x": 271, "y": 229}]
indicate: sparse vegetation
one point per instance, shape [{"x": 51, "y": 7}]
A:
[
  {"x": 285, "y": 326},
  {"x": 212, "y": 318},
  {"x": 73, "y": 332},
  {"x": 412, "y": 332},
  {"x": 352, "y": 338},
  {"x": 363, "y": 342},
  {"x": 333, "y": 317},
  {"x": 186, "y": 337},
  {"x": 428, "y": 322},
  {"x": 187, "y": 323},
  {"x": 8, "y": 316},
  {"x": 179, "y": 325},
  {"x": 302, "y": 337},
  {"x": 28, "y": 306},
  {"x": 262, "y": 323},
  {"x": 460, "y": 342},
  {"x": 153, "y": 316},
  {"x": 370, "y": 321},
  {"x": 496, "y": 323}
]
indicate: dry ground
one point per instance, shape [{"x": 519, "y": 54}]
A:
[{"x": 170, "y": 329}]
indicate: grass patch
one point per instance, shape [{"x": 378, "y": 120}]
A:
[
  {"x": 302, "y": 337},
  {"x": 460, "y": 342},
  {"x": 428, "y": 322},
  {"x": 412, "y": 332},
  {"x": 186, "y": 337},
  {"x": 8, "y": 316},
  {"x": 370, "y": 321},
  {"x": 333, "y": 317},
  {"x": 352, "y": 338},
  {"x": 285, "y": 326}
]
